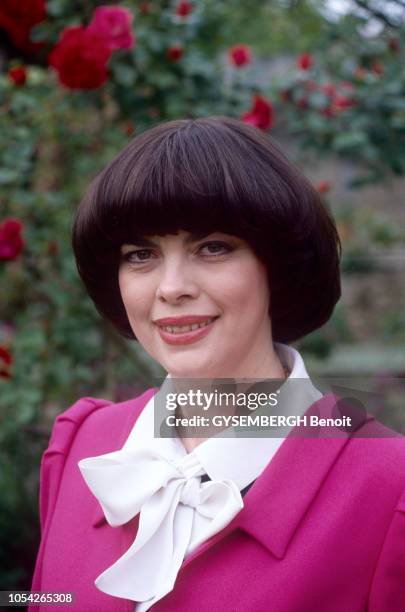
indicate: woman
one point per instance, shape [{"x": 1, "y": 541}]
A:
[{"x": 205, "y": 244}]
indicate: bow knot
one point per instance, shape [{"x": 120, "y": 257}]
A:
[
  {"x": 190, "y": 493},
  {"x": 189, "y": 466},
  {"x": 177, "y": 513}
]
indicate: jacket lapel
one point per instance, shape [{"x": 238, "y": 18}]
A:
[{"x": 278, "y": 500}]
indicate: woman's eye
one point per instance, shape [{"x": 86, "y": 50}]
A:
[
  {"x": 215, "y": 248},
  {"x": 139, "y": 256}
]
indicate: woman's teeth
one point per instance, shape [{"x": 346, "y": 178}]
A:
[{"x": 181, "y": 329}]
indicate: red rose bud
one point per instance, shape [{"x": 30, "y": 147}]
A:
[
  {"x": 328, "y": 89},
  {"x": 323, "y": 186},
  {"x": 52, "y": 247},
  {"x": 342, "y": 102},
  {"x": 305, "y": 61},
  {"x": 11, "y": 242},
  {"x": 80, "y": 58},
  {"x": 113, "y": 24},
  {"x": 240, "y": 55},
  {"x": 393, "y": 45},
  {"x": 17, "y": 75},
  {"x": 261, "y": 114},
  {"x": 184, "y": 8},
  {"x": 302, "y": 102},
  {"x": 377, "y": 68},
  {"x": 145, "y": 8},
  {"x": 175, "y": 52},
  {"x": 129, "y": 128},
  {"x": 5, "y": 355}
]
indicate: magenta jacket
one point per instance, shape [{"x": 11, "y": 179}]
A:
[{"x": 322, "y": 529}]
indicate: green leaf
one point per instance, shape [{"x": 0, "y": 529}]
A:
[
  {"x": 55, "y": 8},
  {"x": 350, "y": 140},
  {"x": 8, "y": 176},
  {"x": 124, "y": 74},
  {"x": 40, "y": 32}
]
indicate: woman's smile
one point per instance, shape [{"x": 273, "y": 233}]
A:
[{"x": 186, "y": 329}]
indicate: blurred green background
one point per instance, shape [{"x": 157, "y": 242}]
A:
[{"x": 325, "y": 79}]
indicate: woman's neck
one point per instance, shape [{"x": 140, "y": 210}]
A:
[{"x": 269, "y": 368}]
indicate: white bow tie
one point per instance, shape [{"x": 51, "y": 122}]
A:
[{"x": 168, "y": 494}]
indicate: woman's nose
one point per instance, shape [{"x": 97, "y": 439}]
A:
[{"x": 176, "y": 283}]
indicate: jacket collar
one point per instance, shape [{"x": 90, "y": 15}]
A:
[{"x": 279, "y": 498}]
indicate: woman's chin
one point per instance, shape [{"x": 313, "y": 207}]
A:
[
  {"x": 195, "y": 374},
  {"x": 192, "y": 370}
]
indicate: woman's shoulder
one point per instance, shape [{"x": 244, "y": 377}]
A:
[
  {"x": 95, "y": 414},
  {"x": 89, "y": 426},
  {"x": 375, "y": 455}
]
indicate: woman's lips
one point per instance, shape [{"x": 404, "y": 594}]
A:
[{"x": 187, "y": 337}]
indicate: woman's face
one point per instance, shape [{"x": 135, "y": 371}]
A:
[{"x": 198, "y": 306}]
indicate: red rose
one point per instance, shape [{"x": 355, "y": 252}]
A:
[
  {"x": 17, "y": 75},
  {"x": 184, "y": 8},
  {"x": 240, "y": 55},
  {"x": 80, "y": 58},
  {"x": 328, "y": 112},
  {"x": 175, "y": 52},
  {"x": 302, "y": 102},
  {"x": 113, "y": 25},
  {"x": 323, "y": 186},
  {"x": 5, "y": 355},
  {"x": 6, "y": 360},
  {"x": 17, "y": 17},
  {"x": 261, "y": 114},
  {"x": 342, "y": 102},
  {"x": 11, "y": 243},
  {"x": 305, "y": 61}
]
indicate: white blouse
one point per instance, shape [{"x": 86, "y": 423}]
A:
[{"x": 157, "y": 478}]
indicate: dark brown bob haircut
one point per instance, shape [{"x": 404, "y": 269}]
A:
[{"x": 206, "y": 175}]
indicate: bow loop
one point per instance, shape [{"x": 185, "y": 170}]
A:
[
  {"x": 170, "y": 497},
  {"x": 123, "y": 480}
]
